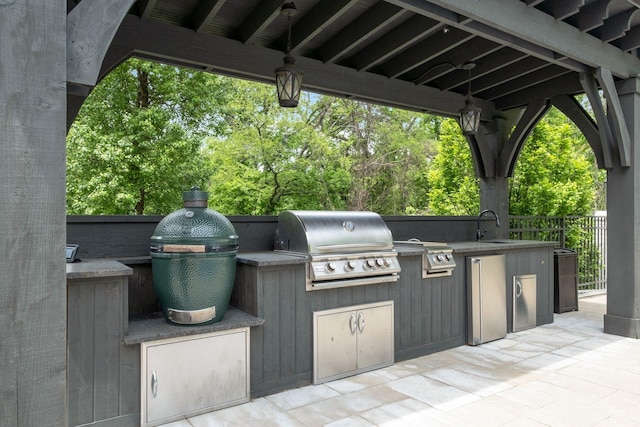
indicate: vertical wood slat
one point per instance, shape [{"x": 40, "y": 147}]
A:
[
  {"x": 108, "y": 336},
  {"x": 270, "y": 310},
  {"x": 304, "y": 329},
  {"x": 288, "y": 323},
  {"x": 80, "y": 342}
]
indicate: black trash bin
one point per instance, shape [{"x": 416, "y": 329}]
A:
[
  {"x": 193, "y": 260},
  {"x": 565, "y": 282}
]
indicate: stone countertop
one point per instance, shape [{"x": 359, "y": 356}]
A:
[
  {"x": 154, "y": 327},
  {"x": 97, "y": 268},
  {"x": 263, "y": 259},
  {"x": 500, "y": 245},
  {"x": 271, "y": 258}
]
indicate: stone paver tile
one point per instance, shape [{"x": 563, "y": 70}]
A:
[
  {"x": 527, "y": 395},
  {"x": 622, "y": 405},
  {"x": 432, "y": 392},
  {"x": 587, "y": 390},
  {"x": 524, "y": 422},
  {"x": 301, "y": 396},
  {"x": 561, "y": 413},
  {"x": 616, "y": 422},
  {"x": 545, "y": 362},
  {"x": 356, "y": 382},
  {"x": 353, "y": 421},
  {"x": 467, "y": 382},
  {"x": 257, "y": 412},
  {"x": 491, "y": 411},
  {"x": 607, "y": 376},
  {"x": 180, "y": 423},
  {"x": 525, "y": 350},
  {"x": 346, "y": 405},
  {"x": 410, "y": 413}
]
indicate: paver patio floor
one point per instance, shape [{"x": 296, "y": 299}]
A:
[{"x": 568, "y": 373}]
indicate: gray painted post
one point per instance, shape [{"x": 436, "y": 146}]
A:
[
  {"x": 623, "y": 229},
  {"x": 32, "y": 213},
  {"x": 494, "y": 194},
  {"x": 494, "y": 191}
]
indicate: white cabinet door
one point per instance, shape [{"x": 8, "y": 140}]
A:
[
  {"x": 192, "y": 375},
  {"x": 350, "y": 340}
]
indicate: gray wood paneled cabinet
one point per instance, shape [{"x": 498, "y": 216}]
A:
[
  {"x": 351, "y": 340},
  {"x": 193, "y": 375}
]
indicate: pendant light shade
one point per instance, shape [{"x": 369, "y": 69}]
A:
[
  {"x": 470, "y": 117},
  {"x": 469, "y": 114},
  {"x": 288, "y": 79},
  {"x": 288, "y": 83}
]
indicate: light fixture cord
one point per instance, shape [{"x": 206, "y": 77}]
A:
[
  {"x": 289, "y": 36},
  {"x": 469, "y": 89}
]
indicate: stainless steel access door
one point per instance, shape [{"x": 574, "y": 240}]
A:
[
  {"x": 524, "y": 302},
  {"x": 486, "y": 298}
]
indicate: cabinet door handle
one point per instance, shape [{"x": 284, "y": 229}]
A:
[
  {"x": 352, "y": 324},
  {"x": 361, "y": 322},
  {"x": 518, "y": 288},
  {"x": 154, "y": 384}
]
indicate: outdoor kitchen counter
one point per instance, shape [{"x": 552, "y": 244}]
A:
[
  {"x": 496, "y": 245},
  {"x": 97, "y": 268},
  {"x": 270, "y": 258},
  {"x": 153, "y": 327}
]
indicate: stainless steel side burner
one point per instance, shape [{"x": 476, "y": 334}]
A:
[
  {"x": 437, "y": 259},
  {"x": 344, "y": 248}
]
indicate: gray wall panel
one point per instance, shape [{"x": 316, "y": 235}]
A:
[
  {"x": 119, "y": 236},
  {"x": 104, "y": 373}
]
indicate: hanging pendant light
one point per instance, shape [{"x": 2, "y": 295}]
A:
[
  {"x": 469, "y": 114},
  {"x": 288, "y": 79}
]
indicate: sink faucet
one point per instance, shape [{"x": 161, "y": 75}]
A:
[{"x": 479, "y": 233}]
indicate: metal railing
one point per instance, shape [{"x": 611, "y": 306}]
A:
[{"x": 587, "y": 235}]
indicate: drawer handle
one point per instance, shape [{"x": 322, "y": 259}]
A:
[{"x": 154, "y": 384}]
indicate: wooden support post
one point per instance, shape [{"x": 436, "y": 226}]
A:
[
  {"x": 623, "y": 233},
  {"x": 32, "y": 213}
]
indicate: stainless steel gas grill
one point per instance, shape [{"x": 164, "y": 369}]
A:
[{"x": 344, "y": 248}]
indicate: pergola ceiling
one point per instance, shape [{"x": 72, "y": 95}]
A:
[{"x": 406, "y": 53}]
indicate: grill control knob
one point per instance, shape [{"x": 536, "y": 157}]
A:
[
  {"x": 369, "y": 263},
  {"x": 331, "y": 266},
  {"x": 449, "y": 257},
  {"x": 380, "y": 262},
  {"x": 350, "y": 265},
  {"x": 439, "y": 258},
  {"x": 386, "y": 262}
]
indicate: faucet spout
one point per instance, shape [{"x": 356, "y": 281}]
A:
[{"x": 479, "y": 233}]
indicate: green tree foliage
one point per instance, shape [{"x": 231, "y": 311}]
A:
[
  {"x": 452, "y": 183},
  {"x": 274, "y": 159},
  {"x": 135, "y": 145},
  {"x": 555, "y": 173},
  {"x": 148, "y": 132},
  {"x": 387, "y": 150},
  {"x": 328, "y": 153}
]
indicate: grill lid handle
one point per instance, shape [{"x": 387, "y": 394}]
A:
[{"x": 353, "y": 246}]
